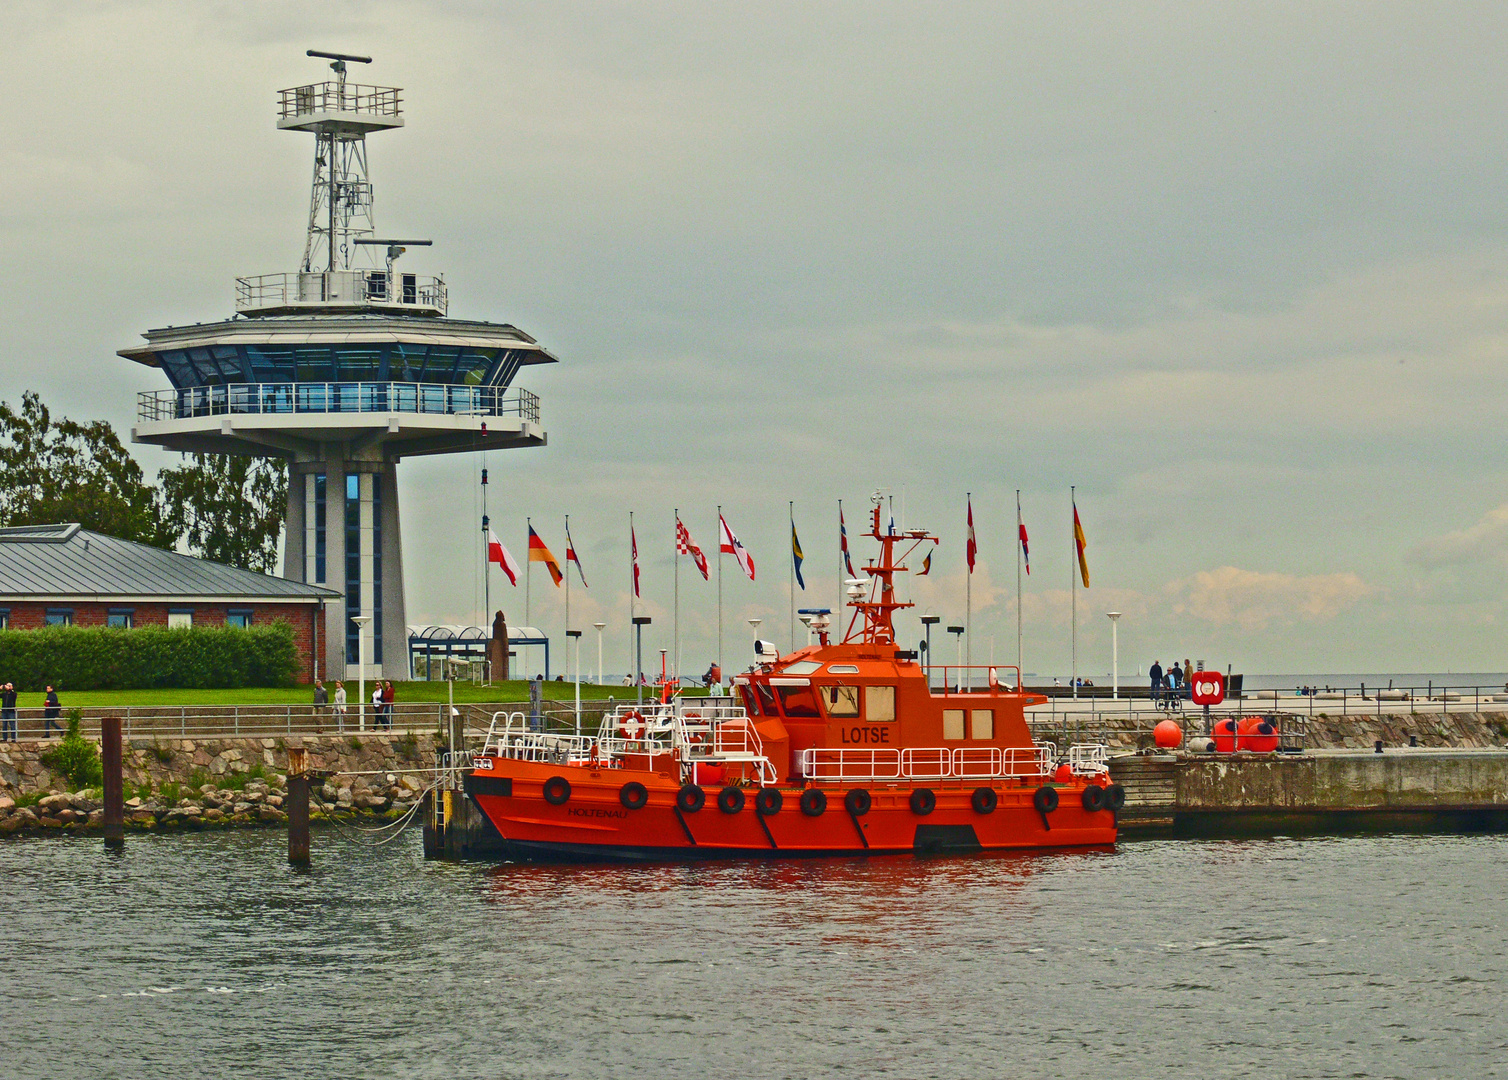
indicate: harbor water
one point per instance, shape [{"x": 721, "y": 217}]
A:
[{"x": 205, "y": 955}]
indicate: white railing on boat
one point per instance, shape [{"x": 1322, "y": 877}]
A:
[
  {"x": 928, "y": 762},
  {"x": 1088, "y": 759}
]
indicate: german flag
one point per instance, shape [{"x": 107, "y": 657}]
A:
[{"x": 539, "y": 553}]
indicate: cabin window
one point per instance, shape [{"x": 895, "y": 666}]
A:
[
  {"x": 798, "y": 701},
  {"x": 766, "y": 699},
  {"x": 952, "y": 724},
  {"x": 803, "y": 667},
  {"x": 981, "y": 723},
  {"x": 748, "y": 699},
  {"x": 843, "y": 669},
  {"x": 842, "y": 700},
  {"x": 879, "y": 703}
]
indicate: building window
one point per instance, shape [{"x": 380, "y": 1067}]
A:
[
  {"x": 353, "y": 566},
  {"x": 238, "y": 617},
  {"x": 59, "y": 616},
  {"x": 319, "y": 528},
  {"x": 180, "y": 618},
  {"x": 121, "y": 618},
  {"x": 4, "y": 618}
]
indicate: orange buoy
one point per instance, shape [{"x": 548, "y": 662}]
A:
[
  {"x": 1258, "y": 735},
  {"x": 1225, "y": 736},
  {"x": 1168, "y": 734},
  {"x": 1064, "y": 774}
]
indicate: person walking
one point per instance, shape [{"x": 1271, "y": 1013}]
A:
[
  {"x": 1155, "y": 674},
  {"x": 8, "y": 713},
  {"x": 321, "y": 697},
  {"x": 51, "y": 710},
  {"x": 340, "y": 705}
]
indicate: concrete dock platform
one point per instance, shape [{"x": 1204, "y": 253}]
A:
[{"x": 1404, "y": 789}]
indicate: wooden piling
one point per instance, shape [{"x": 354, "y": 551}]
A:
[
  {"x": 115, "y": 807},
  {"x": 298, "y": 807}
]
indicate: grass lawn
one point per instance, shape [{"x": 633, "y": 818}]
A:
[{"x": 516, "y": 690}]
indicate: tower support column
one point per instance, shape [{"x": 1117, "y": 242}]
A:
[
  {"x": 335, "y": 565},
  {"x": 395, "y": 656}
]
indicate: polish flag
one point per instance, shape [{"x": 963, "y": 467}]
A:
[
  {"x": 496, "y": 553},
  {"x": 731, "y": 545}
]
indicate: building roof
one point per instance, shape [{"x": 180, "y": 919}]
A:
[{"x": 66, "y": 562}]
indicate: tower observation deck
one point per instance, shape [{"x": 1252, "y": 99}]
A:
[{"x": 342, "y": 368}]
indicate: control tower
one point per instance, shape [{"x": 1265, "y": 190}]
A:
[{"x": 343, "y": 368}]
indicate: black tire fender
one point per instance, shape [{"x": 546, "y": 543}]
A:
[
  {"x": 690, "y": 799},
  {"x": 857, "y": 802},
  {"x": 557, "y": 790},
  {"x": 1115, "y": 797},
  {"x": 730, "y": 800},
  {"x": 1093, "y": 798},
  {"x": 768, "y": 802},
  {"x": 813, "y": 802},
  {"x": 984, "y": 800},
  {"x": 633, "y": 795},
  {"x": 1045, "y": 799},
  {"x": 923, "y": 802}
]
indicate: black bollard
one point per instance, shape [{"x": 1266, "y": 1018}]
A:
[
  {"x": 1378, "y": 745},
  {"x": 298, "y": 808},
  {"x": 1413, "y": 740},
  {"x": 115, "y": 808}
]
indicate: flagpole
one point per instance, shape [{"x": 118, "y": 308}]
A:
[
  {"x": 633, "y": 586},
  {"x": 1073, "y": 585},
  {"x": 719, "y": 588},
  {"x": 838, "y": 610},
  {"x": 486, "y": 564},
  {"x": 1020, "y": 678},
  {"x": 528, "y": 566},
  {"x": 791, "y": 510},
  {"x": 676, "y": 616},
  {"x": 968, "y": 597},
  {"x": 568, "y": 594}
]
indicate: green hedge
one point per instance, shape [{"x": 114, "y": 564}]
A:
[{"x": 146, "y": 657}]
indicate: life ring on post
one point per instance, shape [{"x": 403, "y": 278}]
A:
[
  {"x": 690, "y": 799},
  {"x": 768, "y": 802},
  {"x": 1115, "y": 797},
  {"x": 857, "y": 802},
  {"x": 557, "y": 790},
  {"x": 1045, "y": 799},
  {"x": 813, "y": 802},
  {"x": 633, "y": 723},
  {"x": 633, "y": 795},
  {"x": 984, "y": 800},
  {"x": 730, "y": 800},
  {"x": 923, "y": 802},
  {"x": 1093, "y": 798}
]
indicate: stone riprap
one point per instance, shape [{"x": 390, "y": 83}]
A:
[
  {"x": 1439, "y": 730},
  {"x": 199, "y": 783}
]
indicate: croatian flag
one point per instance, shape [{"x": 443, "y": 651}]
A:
[
  {"x": 1026, "y": 554},
  {"x": 843, "y": 543},
  {"x": 496, "y": 553},
  {"x": 731, "y": 545},
  {"x": 684, "y": 545},
  {"x": 973, "y": 548}
]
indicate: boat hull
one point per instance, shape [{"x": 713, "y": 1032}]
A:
[{"x": 593, "y": 824}]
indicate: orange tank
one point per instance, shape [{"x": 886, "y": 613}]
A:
[{"x": 835, "y": 749}]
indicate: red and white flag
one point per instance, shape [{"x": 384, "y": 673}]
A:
[
  {"x": 731, "y": 545},
  {"x": 1026, "y": 554},
  {"x": 684, "y": 545},
  {"x": 496, "y": 553},
  {"x": 571, "y": 555},
  {"x": 972, "y": 549},
  {"x": 633, "y": 539}
]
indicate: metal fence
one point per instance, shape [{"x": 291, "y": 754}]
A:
[{"x": 257, "y": 399}]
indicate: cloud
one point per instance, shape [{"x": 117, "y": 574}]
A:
[
  {"x": 1487, "y": 539},
  {"x": 1252, "y": 600}
]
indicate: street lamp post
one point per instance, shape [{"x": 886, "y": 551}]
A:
[
  {"x": 929, "y": 621},
  {"x": 361, "y": 669},
  {"x": 1115, "y": 654},
  {"x": 640, "y": 622},
  {"x": 957, "y": 631},
  {"x": 599, "y": 626},
  {"x": 575, "y": 636}
]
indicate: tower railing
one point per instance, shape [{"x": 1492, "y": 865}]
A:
[
  {"x": 334, "y": 290},
  {"x": 337, "y": 97},
  {"x": 287, "y": 398}
]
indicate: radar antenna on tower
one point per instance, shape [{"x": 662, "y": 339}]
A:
[{"x": 339, "y": 115}]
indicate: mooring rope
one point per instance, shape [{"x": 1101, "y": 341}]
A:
[{"x": 353, "y": 833}]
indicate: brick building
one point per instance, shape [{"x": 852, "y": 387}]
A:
[{"x": 63, "y": 575}]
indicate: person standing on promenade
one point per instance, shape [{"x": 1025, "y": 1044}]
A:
[
  {"x": 387, "y": 704},
  {"x": 8, "y": 713},
  {"x": 52, "y": 708},
  {"x": 321, "y": 698},
  {"x": 377, "y": 704},
  {"x": 340, "y": 705},
  {"x": 1155, "y": 674}
]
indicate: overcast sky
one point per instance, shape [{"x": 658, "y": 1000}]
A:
[{"x": 1238, "y": 272}]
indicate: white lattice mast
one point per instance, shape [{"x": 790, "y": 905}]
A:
[{"x": 339, "y": 115}]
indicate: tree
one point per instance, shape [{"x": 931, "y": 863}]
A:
[
  {"x": 60, "y": 470},
  {"x": 229, "y": 508}
]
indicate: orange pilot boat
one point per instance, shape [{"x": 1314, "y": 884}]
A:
[{"x": 835, "y": 749}]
